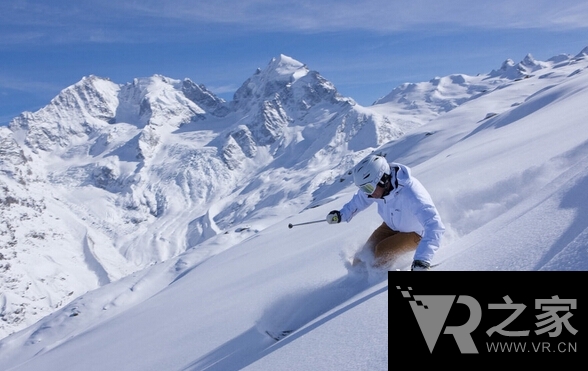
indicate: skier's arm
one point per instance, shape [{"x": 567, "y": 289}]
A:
[
  {"x": 421, "y": 205},
  {"x": 358, "y": 202},
  {"x": 433, "y": 231}
]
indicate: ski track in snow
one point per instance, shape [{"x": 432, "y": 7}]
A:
[{"x": 297, "y": 314}]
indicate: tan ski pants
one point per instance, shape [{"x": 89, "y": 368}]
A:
[{"x": 388, "y": 244}]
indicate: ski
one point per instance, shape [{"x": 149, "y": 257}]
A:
[
  {"x": 407, "y": 268},
  {"x": 280, "y": 335}
]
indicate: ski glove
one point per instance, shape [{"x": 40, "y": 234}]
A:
[
  {"x": 420, "y": 265},
  {"x": 334, "y": 217}
]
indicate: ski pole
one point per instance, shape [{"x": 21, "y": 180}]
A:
[{"x": 315, "y": 221}]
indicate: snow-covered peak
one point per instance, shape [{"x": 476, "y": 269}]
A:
[
  {"x": 443, "y": 94},
  {"x": 88, "y": 107},
  {"x": 286, "y": 95},
  {"x": 531, "y": 64},
  {"x": 506, "y": 65},
  {"x": 286, "y": 68},
  {"x": 529, "y": 61},
  {"x": 427, "y": 100},
  {"x": 277, "y": 78},
  {"x": 514, "y": 71},
  {"x": 509, "y": 70},
  {"x": 582, "y": 54},
  {"x": 76, "y": 112}
]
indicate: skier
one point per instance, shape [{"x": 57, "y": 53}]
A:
[{"x": 411, "y": 220}]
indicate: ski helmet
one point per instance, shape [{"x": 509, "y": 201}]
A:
[{"x": 369, "y": 172}]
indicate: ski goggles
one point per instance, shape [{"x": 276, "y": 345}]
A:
[{"x": 368, "y": 188}]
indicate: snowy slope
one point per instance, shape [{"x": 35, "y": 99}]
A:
[{"x": 507, "y": 169}]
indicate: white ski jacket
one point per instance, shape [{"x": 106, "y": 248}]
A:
[{"x": 408, "y": 208}]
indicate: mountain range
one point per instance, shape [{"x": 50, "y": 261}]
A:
[{"x": 111, "y": 179}]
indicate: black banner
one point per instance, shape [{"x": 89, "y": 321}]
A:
[{"x": 513, "y": 314}]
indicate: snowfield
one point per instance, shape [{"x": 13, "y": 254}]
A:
[{"x": 173, "y": 235}]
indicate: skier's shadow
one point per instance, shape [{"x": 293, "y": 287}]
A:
[
  {"x": 294, "y": 314},
  {"x": 235, "y": 354},
  {"x": 294, "y": 310},
  {"x": 306, "y": 329}
]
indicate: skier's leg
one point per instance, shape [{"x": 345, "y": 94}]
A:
[
  {"x": 380, "y": 234},
  {"x": 392, "y": 247},
  {"x": 377, "y": 236}
]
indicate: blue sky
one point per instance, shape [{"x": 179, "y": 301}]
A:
[{"x": 364, "y": 48}]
